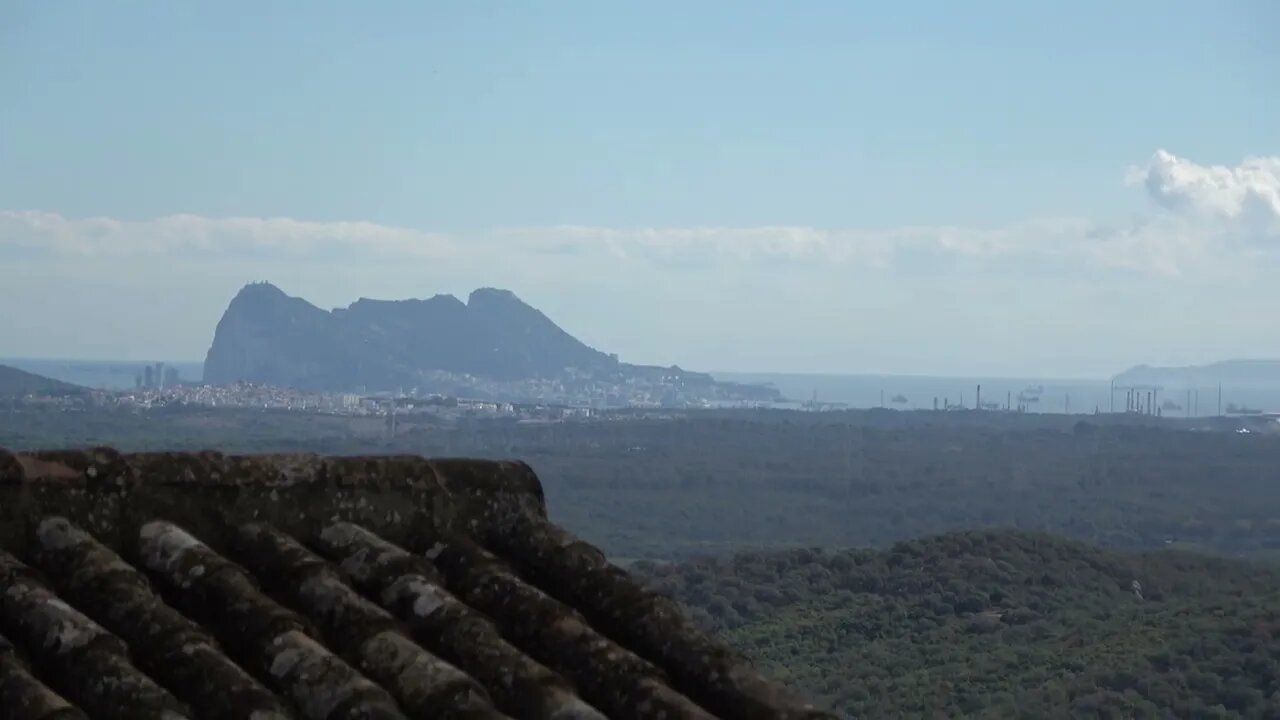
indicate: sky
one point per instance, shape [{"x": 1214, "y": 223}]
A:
[{"x": 1051, "y": 189}]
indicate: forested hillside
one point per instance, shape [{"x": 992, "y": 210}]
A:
[
  {"x": 714, "y": 483},
  {"x": 1000, "y": 625}
]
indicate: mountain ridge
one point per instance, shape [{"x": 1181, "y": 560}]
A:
[
  {"x": 269, "y": 337},
  {"x": 1255, "y": 372}
]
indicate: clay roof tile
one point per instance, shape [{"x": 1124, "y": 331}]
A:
[{"x": 270, "y": 587}]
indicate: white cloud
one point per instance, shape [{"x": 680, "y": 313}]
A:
[
  {"x": 706, "y": 245},
  {"x": 1058, "y": 239},
  {"x": 193, "y": 238},
  {"x": 194, "y": 235},
  {"x": 1246, "y": 196},
  {"x": 1213, "y": 207}
]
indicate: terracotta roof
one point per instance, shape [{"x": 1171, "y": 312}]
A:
[{"x": 296, "y": 586}]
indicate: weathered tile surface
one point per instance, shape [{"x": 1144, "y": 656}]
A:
[{"x": 198, "y": 585}]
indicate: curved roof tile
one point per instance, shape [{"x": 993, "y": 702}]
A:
[{"x": 272, "y": 587}]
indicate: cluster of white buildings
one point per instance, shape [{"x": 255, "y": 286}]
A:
[
  {"x": 266, "y": 397},
  {"x": 247, "y": 395}
]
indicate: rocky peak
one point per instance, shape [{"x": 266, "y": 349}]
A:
[{"x": 269, "y": 337}]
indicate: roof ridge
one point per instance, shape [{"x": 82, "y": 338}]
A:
[
  {"x": 110, "y": 494},
  {"x": 105, "y": 466}
]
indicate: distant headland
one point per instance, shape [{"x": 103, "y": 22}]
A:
[
  {"x": 1260, "y": 374},
  {"x": 271, "y": 338}
]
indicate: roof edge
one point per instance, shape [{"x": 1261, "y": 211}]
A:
[{"x": 110, "y": 492}]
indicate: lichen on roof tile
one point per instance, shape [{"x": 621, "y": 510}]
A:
[
  {"x": 362, "y": 631},
  {"x": 172, "y": 648},
  {"x": 274, "y": 640},
  {"x": 90, "y": 665},
  {"x": 413, "y": 589}
]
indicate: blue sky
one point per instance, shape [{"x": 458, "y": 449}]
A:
[{"x": 812, "y": 186}]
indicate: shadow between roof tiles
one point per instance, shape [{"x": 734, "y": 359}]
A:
[
  {"x": 457, "y": 610},
  {"x": 272, "y": 640},
  {"x": 409, "y": 587},
  {"x": 84, "y": 662},
  {"x": 369, "y": 636},
  {"x": 24, "y": 697},
  {"x": 171, "y": 648}
]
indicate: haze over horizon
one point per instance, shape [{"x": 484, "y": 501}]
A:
[{"x": 988, "y": 190}]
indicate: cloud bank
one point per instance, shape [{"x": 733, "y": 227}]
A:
[
  {"x": 1210, "y": 208},
  {"x": 198, "y": 236}
]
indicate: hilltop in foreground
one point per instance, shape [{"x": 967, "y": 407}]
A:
[
  {"x": 1000, "y": 625},
  {"x": 15, "y": 383},
  {"x": 268, "y": 337}
]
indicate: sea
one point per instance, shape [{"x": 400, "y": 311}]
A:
[
  {"x": 1032, "y": 394},
  {"x": 903, "y": 392},
  {"x": 102, "y": 374}
]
